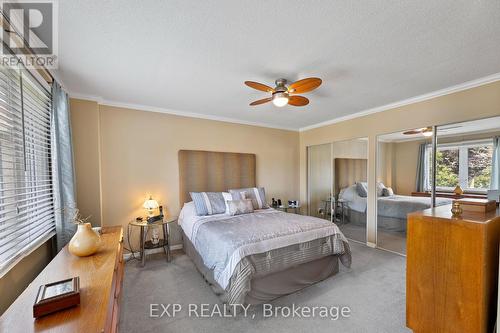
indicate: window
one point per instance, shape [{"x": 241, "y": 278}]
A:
[
  {"x": 26, "y": 202},
  {"x": 464, "y": 164}
]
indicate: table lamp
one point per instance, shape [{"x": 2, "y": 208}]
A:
[{"x": 150, "y": 205}]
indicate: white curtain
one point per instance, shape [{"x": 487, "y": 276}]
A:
[
  {"x": 62, "y": 166},
  {"x": 495, "y": 165}
]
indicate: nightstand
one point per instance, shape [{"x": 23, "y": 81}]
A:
[
  {"x": 148, "y": 244},
  {"x": 340, "y": 211},
  {"x": 286, "y": 209}
]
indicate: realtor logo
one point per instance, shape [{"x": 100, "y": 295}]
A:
[{"x": 30, "y": 36}]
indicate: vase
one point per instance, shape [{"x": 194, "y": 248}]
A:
[
  {"x": 456, "y": 210},
  {"x": 85, "y": 242},
  {"x": 458, "y": 190}
]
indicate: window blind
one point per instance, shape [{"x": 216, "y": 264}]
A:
[{"x": 26, "y": 201}]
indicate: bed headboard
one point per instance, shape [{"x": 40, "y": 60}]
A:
[
  {"x": 209, "y": 171},
  {"x": 349, "y": 171}
]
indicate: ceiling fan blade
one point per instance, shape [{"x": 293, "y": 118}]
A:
[
  {"x": 304, "y": 85},
  {"x": 298, "y": 101},
  {"x": 259, "y": 86},
  {"x": 412, "y": 132},
  {"x": 261, "y": 101}
]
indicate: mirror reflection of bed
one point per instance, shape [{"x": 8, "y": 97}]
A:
[{"x": 350, "y": 197}]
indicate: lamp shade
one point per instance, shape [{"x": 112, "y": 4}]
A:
[{"x": 150, "y": 204}]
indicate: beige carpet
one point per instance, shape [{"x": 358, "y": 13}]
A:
[{"x": 374, "y": 290}]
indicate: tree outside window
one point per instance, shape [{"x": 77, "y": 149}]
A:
[{"x": 467, "y": 165}]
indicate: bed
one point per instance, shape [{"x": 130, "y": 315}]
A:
[
  {"x": 391, "y": 209},
  {"x": 257, "y": 257}
]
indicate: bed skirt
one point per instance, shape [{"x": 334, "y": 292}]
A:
[{"x": 269, "y": 287}]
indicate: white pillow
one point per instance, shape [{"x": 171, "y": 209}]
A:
[
  {"x": 349, "y": 193},
  {"x": 227, "y": 197},
  {"x": 187, "y": 212}
]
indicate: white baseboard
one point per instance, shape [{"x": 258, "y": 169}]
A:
[
  {"x": 370, "y": 244},
  {"x": 127, "y": 256}
]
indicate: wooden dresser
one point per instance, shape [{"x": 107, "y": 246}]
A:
[
  {"x": 452, "y": 271},
  {"x": 100, "y": 290}
]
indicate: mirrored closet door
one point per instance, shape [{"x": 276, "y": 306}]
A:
[
  {"x": 467, "y": 166},
  {"x": 404, "y": 171},
  {"x": 337, "y": 185},
  {"x": 320, "y": 180},
  {"x": 468, "y": 160}
]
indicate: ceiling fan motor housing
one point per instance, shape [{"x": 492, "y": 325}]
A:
[{"x": 280, "y": 87}]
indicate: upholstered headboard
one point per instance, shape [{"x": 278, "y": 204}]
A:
[
  {"x": 208, "y": 171},
  {"x": 349, "y": 171}
]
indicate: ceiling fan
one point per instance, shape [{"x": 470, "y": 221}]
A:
[
  {"x": 284, "y": 94},
  {"x": 427, "y": 131}
]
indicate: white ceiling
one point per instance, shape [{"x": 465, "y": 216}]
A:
[
  {"x": 488, "y": 125},
  {"x": 191, "y": 57}
]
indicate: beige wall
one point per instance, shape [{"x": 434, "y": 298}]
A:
[
  {"x": 20, "y": 276},
  {"x": 385, "y": 164},
  {"x": 85, "y": 135},
  {"x": 480, "y": 102},
  {"x": 137, "y": 156},
  {"x": 405, "y": 166}
]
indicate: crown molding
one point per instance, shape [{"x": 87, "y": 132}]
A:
[
  {"x": 446, "y": 91},
  {"x": 149, "y": 108}
]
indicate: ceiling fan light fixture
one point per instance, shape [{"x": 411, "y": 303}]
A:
[
  {"x": 427, "y": 133},
  {"x": 280, "y": 99}
]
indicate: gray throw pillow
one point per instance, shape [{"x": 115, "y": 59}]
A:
[
  {"x": 362, "y": 189},
  {"x": 238, "y": 207},
  {"x": 256, "y": 194},
  {"x": 387, "y": 192},
  {"x": 208, "y": 203}
]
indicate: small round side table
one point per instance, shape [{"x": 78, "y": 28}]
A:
[
  {"x": 145, "y": 244},
  {"x": 296, "y": 209}
]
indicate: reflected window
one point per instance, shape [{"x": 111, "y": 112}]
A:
[
  {"x": 447, "y": 167},
  {"x": 464, "y": 164},
  {"x": 479, "y": 167}
]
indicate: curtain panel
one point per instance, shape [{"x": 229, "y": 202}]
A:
[
  {"x": 63, "y": 175},
  {"x": 495, "y": 164},
  {"x": 420, "y": 184}
]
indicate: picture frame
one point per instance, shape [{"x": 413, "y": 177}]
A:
[{"x": 56, "y": 296}]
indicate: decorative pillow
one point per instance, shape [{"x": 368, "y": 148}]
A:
[
  {"x": 362, "y": 189},
  {"x": 256, "y": 194},
  {"x": 238, "y": 207},
  {"x": 388, "y": 192},
  {"x": 208, "y": 203},
  {"x": 380, "y": 189}
]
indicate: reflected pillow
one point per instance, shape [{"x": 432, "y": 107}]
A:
[
  {"x": 362, "y": 189},
  {"x": 380, "y": 189},
  {"x": 238, "y": 207},
  {"x": 387, "y": 192},
  {"x": 256, "y": 194},
  {"x": 227, "y": 196}
]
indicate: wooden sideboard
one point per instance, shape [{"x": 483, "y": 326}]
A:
[
  {"x": 100, "y": 290},
  {"x": 452, "y": 271}
]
